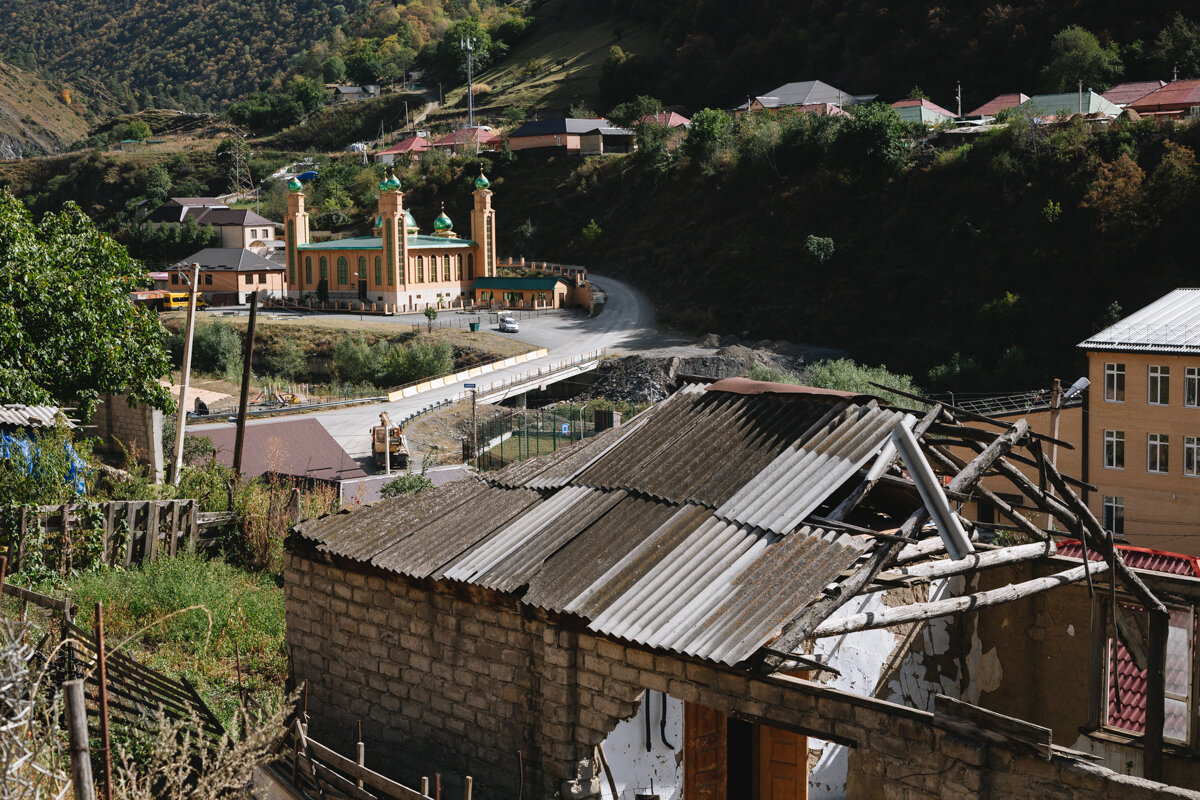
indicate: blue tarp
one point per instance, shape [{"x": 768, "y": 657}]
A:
[{"x": 75, "y": 473}]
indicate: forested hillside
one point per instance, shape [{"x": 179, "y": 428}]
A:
[{"x": 717, "y": 53}]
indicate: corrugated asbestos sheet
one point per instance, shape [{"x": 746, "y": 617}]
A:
[
  {"x": 800, "y": 478},
  {"x": 679, "y": 532},
  {"x": 704, "y": 447},
  {"x": 29, "y": 416}
]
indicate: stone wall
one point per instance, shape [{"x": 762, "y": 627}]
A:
[
  {"x": 137, "y": 429},
  {"x": 458, "y": 680}
]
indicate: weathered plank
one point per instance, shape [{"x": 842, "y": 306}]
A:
[{"x": 991, "y": 726}]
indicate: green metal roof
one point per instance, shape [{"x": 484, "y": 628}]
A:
[
  {"x": 376, "y": 243},
  {"x": 517, "y": 284}
]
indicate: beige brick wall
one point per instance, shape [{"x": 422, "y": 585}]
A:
[
  {"x": 138, "y": 430},
  {"x": 459, "y": 680}
]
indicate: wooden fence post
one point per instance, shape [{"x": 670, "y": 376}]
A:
[
  {"x": 21, "y": 538},
  {"x": 102, "y": 695},
  {"x": 81, "y": 762}
]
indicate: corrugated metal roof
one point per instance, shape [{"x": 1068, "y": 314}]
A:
[
  {"x": 792, "y": 486},
  {"x": 623, "y": 531},
  {"x": 1140, "y": 558},
  {"x": 30, "y": 416},
  {"x": 1170, "y": 324},
  {"x": 705, "y": 447}
]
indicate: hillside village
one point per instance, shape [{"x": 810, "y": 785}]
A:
[{"x": 407, "y": 431}]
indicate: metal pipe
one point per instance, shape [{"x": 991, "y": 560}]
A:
[{"x": 662, "y": 723}]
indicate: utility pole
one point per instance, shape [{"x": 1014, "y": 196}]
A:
[
  {"x": 468, "y": 45},
  {"x": 244, "y": 402},
  {"x": 1056, "y": 393},
  {"x": 959, "y": 95},
  {"x": 181, "y": 418}
]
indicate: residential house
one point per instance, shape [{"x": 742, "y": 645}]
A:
[
  {"x": 412, "y": 147},
  {"x": 350, "y": 94},
  {"x": 692, "y": 600},
  {"x": 607, "y": 140},
  {"x": 567, "y": 135},
  {"x": 237, "y": 227},
  {"x": 1061, "y": 106},
  {"x": 1177, "y": 98},
  {"x": 1143, "y": 424},
  {"x": 1129, "y": 92},
  {"x": 535, "y": 292},
  {"x": 399, "y": 267},
  {"x": 922, "y": 111},
  {"x": 296, "y": 448},
  {"x": 998, "y": 103},
  {"x": 229, "y": 274},
  {"x": 470, "y": 140},
  {"x": 668, "y": 118},
  {"x": 801, "y": 94}
]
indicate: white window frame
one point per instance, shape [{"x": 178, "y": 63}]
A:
[
  {"x": 1114, "y": 373},
  {"x": 1191, "y": 387},
  {"x": 1116, "y": 507},
  {"x": 1114, "y": 458},
  {"x": 1158, "y": 453},
  {"x": 1158, "y": 385},
  {"x": 1191, "y": 456}
]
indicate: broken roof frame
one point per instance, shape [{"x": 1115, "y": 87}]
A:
[{"x": 749, "y": 497}]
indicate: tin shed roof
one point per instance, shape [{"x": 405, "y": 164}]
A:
[{"x": 1170, "y": 324}]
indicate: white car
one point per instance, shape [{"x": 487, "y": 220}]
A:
[{"x": 509, "y": 325}]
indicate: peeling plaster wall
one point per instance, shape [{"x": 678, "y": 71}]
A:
[
  {"x": 638, "y": 771},
  {"x": 906, "y": 665}
]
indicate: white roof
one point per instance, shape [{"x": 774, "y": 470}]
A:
[{"x": 1170, "y": 324}]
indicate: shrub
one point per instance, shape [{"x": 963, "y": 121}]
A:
[
  {"x": 217, "y": 348},
  {"x": 845, "y": 375}
]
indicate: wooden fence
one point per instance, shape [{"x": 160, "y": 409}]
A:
[
  {"x": 316, "y": 772},
  {"x": 132, "y": 531},
  {"x": 135, "y": 691}
]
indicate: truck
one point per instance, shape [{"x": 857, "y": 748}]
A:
[{"x": 389, "y": 444}]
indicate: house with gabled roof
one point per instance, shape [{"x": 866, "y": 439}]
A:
[
  {"x": 1177, "y": 98},
  {"x": 413, "y": 146},
  {"x": 1131, "y": 91},
  {"x": 469, "y": 140},
  {"x": 572, "y": 135},
  {"x": 229, "y": 274},
  {"x": 922, "y": 111},
  {"x": 1065, "y": 104},
  {"x": 706, "y": 585},
  {"x": 802, "y": 93},
  {"x": 998, "y": 104}
]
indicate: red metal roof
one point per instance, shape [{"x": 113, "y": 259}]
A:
[
  {"x": 1125, "y": 93},
  {"x": 668, "y": 118},
  {"x": 999, "y": 103},
  {"x": 747, "y": 386},
  {"x": 1140, "y": 558},
  {"x": 1175, "y": 96},
  {"x": 466, "y": 136},
  {"x": 413, "y": 144}
]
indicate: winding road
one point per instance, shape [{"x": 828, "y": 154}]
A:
[{"x": 626, "y": 325}]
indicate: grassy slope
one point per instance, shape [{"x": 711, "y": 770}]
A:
[
  {"x": 572, "y": 44},
  {"x": 33, "y": 112}
]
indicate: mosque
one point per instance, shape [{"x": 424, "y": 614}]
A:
[{"x": 398, "y": 267}]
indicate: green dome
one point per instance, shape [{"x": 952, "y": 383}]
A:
[
  {"x": 383, "y": 186},
  {"x": 393, "y": 183},
  {"x": 442, "y": 223},
  {"x": 410, "y": 223},
  {"x": 295, "y": 185},
  {"x": 482, "y": 182}
]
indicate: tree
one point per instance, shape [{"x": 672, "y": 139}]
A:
[
  {"x": 1077, "y": 55},
  {"x": 627, "y": 114},
  {"x": 334, "y": 70},
  {"x": 1173, "y": 184},
  {"x": 68, "y": 333},
  {"x": 156, "y": 184},
  {"x": 138, "y": 129},
  {"x": 364, "y": 65},
  {"x": 450, "y": 56},
  {"x": 1177, "y": 47},
  {"x": 820, "y": 248},
  {"x": 286, "y": 359},
  {"x": 709, "y": 134},
  {"x": 431, "y": 314},
  {"x": 591, "y": 232},
  {"x": 1117, "y": 196},
  {"x": 871, "y": 141}
]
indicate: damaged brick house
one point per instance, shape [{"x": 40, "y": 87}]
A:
[{"x": 673, "y": 598}]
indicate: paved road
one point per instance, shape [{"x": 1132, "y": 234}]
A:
[{"x": 626, "y": 325}]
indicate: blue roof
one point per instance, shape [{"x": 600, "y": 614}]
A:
[{"x": 376, "y": 243}]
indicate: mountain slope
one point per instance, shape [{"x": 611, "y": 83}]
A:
[{"x": 35, "y": 117}]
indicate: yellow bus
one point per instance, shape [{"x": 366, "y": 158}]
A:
[{"x": 180, "y": 300}]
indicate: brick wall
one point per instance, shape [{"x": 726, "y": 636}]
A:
[
  {"x": 138, "y": 429},
  {"x": 455, "y": 679}
]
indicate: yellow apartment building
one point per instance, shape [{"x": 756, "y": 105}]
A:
[{"x": 1142, "y": 424}]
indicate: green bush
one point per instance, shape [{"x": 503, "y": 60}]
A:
[
  {"x": 286, "y": 359},
  {"x": 845, "y": 375},
  {"x": 217, "y": 348}
]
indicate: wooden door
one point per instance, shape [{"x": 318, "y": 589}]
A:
[
  {"x": 782, "y": 769},
  {"x": 704, "y": 753}
]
